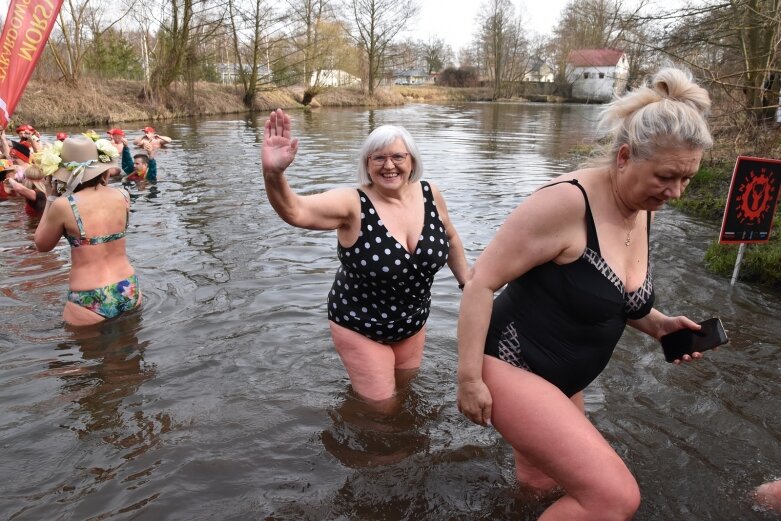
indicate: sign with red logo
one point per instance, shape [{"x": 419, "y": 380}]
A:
[{"x": 752, "y": 200}]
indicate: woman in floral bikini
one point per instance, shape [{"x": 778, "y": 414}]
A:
[{"x": 93, "y": 218}]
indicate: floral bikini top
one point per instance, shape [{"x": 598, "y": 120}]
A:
[{"x": 83, "y": 240}]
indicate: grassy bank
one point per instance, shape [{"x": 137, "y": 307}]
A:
[
  {"x": 51, "y": 105},
  {"x": 706, "y": 198},
  {"x": 48, "y": 106}
]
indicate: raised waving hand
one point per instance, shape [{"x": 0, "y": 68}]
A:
[{"x": 279, "y": 149}]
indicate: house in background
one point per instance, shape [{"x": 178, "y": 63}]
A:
[
  {"x": 333, "y": 78},
  {"x": 229, "y": 72},
  {"x": 412, "y": 77},
  {"x": 597, "y": 74},
  {"x": 539, "y": 71}
]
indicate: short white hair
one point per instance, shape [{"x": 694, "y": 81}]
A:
[{"x": 382, "y": 137}]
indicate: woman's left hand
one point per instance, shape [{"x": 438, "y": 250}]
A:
[
  {"x": 657, "y": 324},
  {"x": 672, "y": 324}
]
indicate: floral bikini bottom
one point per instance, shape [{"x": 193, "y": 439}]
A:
[{"x": 109, "y": 301}]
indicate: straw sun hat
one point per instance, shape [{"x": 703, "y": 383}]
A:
[{"x": 81, "y": 161}]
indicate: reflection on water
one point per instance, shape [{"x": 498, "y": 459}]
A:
[
  {"x": 223, "y": 398},
  {"x": 363, "y": 436}
]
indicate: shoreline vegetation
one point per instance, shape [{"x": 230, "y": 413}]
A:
[{"x": 48, "y": 105}]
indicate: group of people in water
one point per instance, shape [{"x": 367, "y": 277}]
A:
[
  {"x": 570, "y": 263},
  {"x": 66, "y": 185}
]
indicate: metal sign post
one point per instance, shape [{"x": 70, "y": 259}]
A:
[{"x": 738, "y": 261}]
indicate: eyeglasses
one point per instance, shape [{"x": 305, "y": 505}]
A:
[{"x": 397, "y": 158}]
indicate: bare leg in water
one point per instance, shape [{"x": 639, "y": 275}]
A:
[{"x": 377, "y": 370}]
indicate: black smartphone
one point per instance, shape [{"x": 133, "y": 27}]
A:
[{"x": 687, "y": 341}]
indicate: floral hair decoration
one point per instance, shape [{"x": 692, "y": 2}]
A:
[{"x": 80, "y": 164}]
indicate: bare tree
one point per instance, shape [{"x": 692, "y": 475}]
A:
[
  {"x": 405, "y": 54},
  {"x": 503, "y": 48},
  {"x": 144, "y": 17},
  {"x": 309, "y": 16},
  {"x": 80, "y": 22},
  {"x": 377, "y": 22},
  {"x": 735, "y": 44},
  {"x": 186, "y": 26},
  {"x": 251, "y": 52},
  {"x": 436, "y": 54}
]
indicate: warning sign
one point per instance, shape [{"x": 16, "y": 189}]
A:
[{"x": 753, "y": 195}]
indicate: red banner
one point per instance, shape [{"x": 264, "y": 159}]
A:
[{"x": 26, "y": 30}]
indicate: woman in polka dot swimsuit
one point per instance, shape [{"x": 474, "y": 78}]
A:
[{"x": 393, "y": 235}]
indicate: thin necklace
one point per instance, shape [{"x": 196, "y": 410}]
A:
[{"x": 629, "y": 229}]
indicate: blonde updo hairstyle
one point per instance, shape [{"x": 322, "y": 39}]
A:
[
  {"x": 384, "y": 136},
  {"x": 33, "y": 178},
  {"x": 669, "y": 110}
]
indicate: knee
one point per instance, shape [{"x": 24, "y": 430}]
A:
[
  {"x": 629, "y": 500},
  {"x": 619, "y": 502}
]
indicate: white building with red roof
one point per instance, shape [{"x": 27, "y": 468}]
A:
[{"x": 597, "y": 74}]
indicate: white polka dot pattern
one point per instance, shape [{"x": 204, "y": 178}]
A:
[{"x": 381, "y": 290}]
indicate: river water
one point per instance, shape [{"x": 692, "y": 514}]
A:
[{"x": 224, "y": 398}]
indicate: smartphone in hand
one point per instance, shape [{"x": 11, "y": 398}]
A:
[{"x": 688, "y": 341}]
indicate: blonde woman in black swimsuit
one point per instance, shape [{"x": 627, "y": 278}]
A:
[
  {"x": 575, "y": 259},
  {"x": 393, "y": 235}
]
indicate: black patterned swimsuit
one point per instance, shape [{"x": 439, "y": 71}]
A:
[
  {"x": 381, "y": 290},
  {"x": 562, "y": 321}
]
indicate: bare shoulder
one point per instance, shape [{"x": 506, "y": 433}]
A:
[
  {"x": 346, "y": 199},
  {"x": 122, "y": 194},
  {"x": 436, "y": 193},
  {"x": 58, "y": 206},
  {"x": 560, "y": 199}
]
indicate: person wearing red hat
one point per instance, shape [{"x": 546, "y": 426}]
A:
[
  {"x": 20, "y": 153},
  {"x": 118, "y": 139},
  {"x": 17, "y": 151},
  {"x": 150, "y": 136},
  {"x": 29, "y": 137}
]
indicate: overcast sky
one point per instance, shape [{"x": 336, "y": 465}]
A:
[{"x": 454, "y": 20}]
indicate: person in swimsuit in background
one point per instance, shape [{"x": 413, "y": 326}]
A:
[
  {"x": 32, "y": 190},
  {"x": 7, "y": 173},
  {"x": 93, "y": 217},
  {"x": 118, "y": 139},
  {"x": 393, "y": 235},
  {"x": 150, "y": 137},
  {"x": 575, "y": 259},
  {"x": 141, "y": 167}
]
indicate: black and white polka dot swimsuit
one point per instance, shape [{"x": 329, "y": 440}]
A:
[{"x": 381, "y": 290}]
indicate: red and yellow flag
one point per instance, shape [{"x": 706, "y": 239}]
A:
[{"x": 26, "y": 30}]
